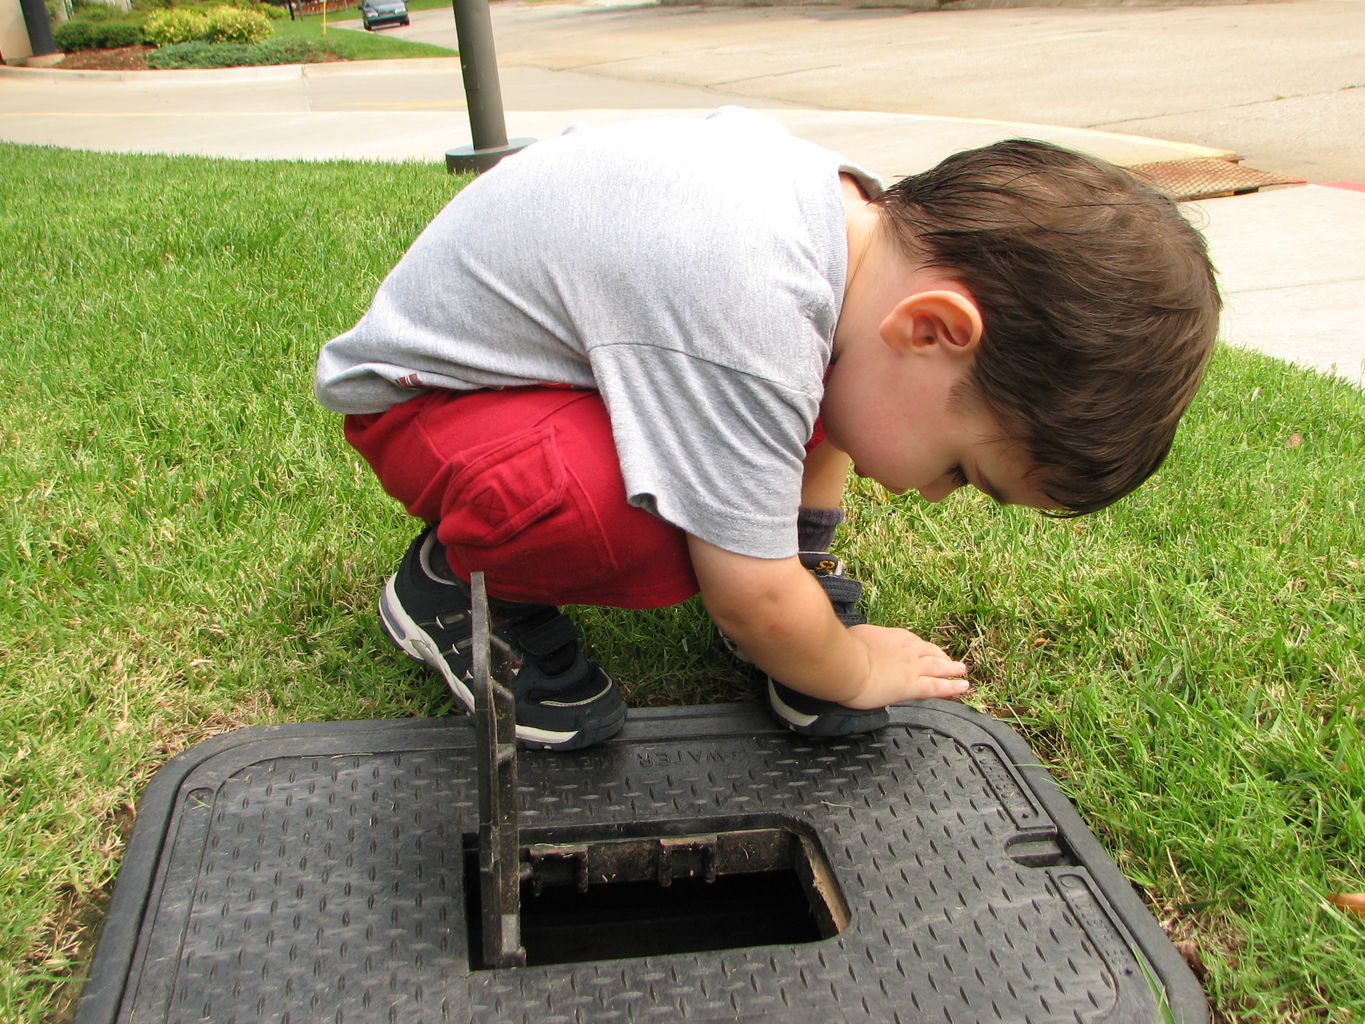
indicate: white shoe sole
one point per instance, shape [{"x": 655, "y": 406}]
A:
[{"x": 418, "y": 645}]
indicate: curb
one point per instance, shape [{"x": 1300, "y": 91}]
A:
[{"x": 261, "y": 73}]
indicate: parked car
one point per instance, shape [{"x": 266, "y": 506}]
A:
[{"x": 383, "y": 12}]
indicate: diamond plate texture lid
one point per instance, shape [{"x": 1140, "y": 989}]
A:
[{"x": 315, "y": 873}]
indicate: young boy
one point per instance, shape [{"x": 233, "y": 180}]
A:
[{"x": 638, "y": 361}]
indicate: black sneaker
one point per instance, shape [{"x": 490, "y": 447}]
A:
[
  {"x": 809, "y": 716},
  {"x": 563, "y": 700}
]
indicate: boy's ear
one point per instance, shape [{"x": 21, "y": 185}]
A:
[{"x": 925, "y": 319}]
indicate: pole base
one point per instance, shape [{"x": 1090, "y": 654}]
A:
[{"x": 468, "y": 160}]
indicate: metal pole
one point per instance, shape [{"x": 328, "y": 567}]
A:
[
  {"x": 483, "y": 94},
  {"x": 39, "y": 27},
  {"x": 499, "y": 834}
]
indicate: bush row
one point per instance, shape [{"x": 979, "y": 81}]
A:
[
  {"x": 236, "y": 21},
  {"x": 97, "y": 11},
  {"x": 79, "y": 34},
  {"x": 267, "y": 7},
  {"x": 221, "y": 24},
  {"x": 231, "y": 55}
]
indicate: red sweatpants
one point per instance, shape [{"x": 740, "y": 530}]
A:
[{"x": 524, "y": 486}]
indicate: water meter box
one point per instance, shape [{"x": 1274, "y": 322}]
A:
[{"x": 701, "y": 866}]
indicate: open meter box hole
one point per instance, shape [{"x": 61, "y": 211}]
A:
[{"x": 676, "y": 887}]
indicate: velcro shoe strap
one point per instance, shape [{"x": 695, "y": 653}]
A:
[
  {"x": 548, "y": 637},
  {"x": 843, "y": 593}
]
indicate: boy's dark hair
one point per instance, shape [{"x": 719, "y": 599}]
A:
[{"x": 1097, "y": 298}]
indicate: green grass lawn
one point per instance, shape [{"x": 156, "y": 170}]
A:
[
  {"x": 188, "y": 546},
  {"x": 429, "y": 5},
  {"x": 356, "y": 43}
]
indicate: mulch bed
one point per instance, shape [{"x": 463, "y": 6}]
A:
[{"x": 120, "y": 58}]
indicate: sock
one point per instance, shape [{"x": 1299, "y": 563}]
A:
[{"x": 815, "y": 527}]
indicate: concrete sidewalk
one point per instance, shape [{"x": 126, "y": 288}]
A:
[
  {"x": 414, "y": 110},
  {"x": 1291, "y": 260}
]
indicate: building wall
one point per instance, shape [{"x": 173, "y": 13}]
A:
[{"x": 14, "y": 44}]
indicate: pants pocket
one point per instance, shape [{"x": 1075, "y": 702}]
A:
[{"x": 500, "y": 489}]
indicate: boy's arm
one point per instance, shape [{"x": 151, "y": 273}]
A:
[{"x": 776, "y": 611}]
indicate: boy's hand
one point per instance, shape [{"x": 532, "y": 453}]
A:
[
  {"x": 777, "y": 612},
  {"x": 903, "y": 666}
]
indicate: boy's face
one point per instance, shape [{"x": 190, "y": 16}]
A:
[{"x": 907, "y": 421}]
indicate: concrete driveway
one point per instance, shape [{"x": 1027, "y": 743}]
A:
[{"x": 1281, "y": 84}]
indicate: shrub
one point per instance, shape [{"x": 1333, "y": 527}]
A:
[
  {"x": 96, "y": 12},
  {"x": 231, "y": 55},
  {"x": 290, "y": 51},
  {"x": 109, "y": 34},
  {"x": 79, "y": 34},
  {"x": 180, "y": 55},
  {"x": 176, "y": 25},
  {"x": 72, "y": 35},
  {"x": 217, "y": 24},
  {"x": 235, "y": 25}
]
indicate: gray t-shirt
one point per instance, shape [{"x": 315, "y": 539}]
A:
[{"x": 692, "y": 271}]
